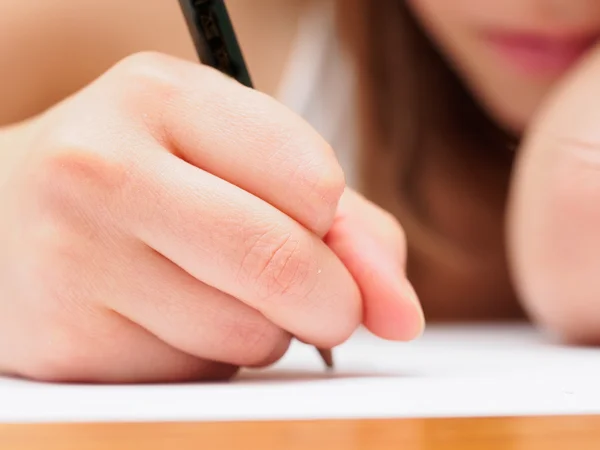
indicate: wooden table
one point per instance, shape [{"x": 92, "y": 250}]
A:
[{"x": 527, "y": 433}]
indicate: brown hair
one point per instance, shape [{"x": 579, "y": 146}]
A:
[{"x": 427, "y": 144}]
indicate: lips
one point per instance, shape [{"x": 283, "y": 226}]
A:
[{"x": 539, "y": 54}]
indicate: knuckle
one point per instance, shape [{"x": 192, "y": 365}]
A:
[
  {"x": 146, "y": 77},
  {"x": 308, "y": 160},
  {"x": 275, "y": 351},
  {"x": 70, "y": 175},
  {"x": 143, "y": 65},
  {"x": 278, "y": 264},
  {"x": 327, "y": 182},
  {"x": 261, "y": 342},
  {"x": 70, "y": 179}
]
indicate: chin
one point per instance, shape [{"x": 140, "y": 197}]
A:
[{"x": 512, "y": 122}]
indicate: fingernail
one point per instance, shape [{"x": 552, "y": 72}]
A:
[
  {"x": 398, "y": 272},
  {"x": 411, "y": 295}
]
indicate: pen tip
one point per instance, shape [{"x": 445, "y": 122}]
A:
[{"x": 327, "y": 356}]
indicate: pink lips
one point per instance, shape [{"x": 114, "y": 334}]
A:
[{"x": 539, "y": 54}]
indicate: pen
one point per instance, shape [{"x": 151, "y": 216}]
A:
[{"x": 217, "y": 46}]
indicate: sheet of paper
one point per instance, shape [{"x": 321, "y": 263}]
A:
[{"x": 451, "y": 371}]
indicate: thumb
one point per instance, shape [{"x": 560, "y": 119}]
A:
[{"x": 371, "y": 244}]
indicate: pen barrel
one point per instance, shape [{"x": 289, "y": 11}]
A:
[{"x": 211, "y": 29}]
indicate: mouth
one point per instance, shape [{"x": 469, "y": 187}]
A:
[{"x": 540, "y": 54}]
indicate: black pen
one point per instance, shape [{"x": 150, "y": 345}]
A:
[{"x": 217, "y": 46}]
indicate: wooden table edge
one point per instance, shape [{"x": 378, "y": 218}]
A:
[{"x": 489, "y": 433}]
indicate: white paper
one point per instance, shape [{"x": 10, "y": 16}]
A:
[{"x": 450, "y": 372}]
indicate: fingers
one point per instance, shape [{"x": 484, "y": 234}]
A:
[
  {"x": 371, "y": 245},
  {"x": 110, "y": 349},
  {"x": 248, "y": 143},
  {"x": 239, "y": 135},
  {"x": 194, "y": 317},
  {"x": 249, "y": 225},
  {"x": 554, "y": 210},
  {"x": 244, "y": 247}
]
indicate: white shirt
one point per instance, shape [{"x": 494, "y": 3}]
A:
[{"x": 319, "y": 84}]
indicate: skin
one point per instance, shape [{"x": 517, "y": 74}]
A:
[
  {"x": 459, "y": 28},
  {"x": 552, "y": 232},
  {"x": 141, "y": 241}
]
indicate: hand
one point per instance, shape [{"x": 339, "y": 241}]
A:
[
  {"x": 167, "y": 223},
  {"x": 554, "y": 224},
  {"x": 372, "y": 245}
]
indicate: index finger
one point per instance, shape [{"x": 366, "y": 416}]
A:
[{"x": 242, "y": 136}]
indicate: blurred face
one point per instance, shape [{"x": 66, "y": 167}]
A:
[{"x": 511, "y": 52}]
